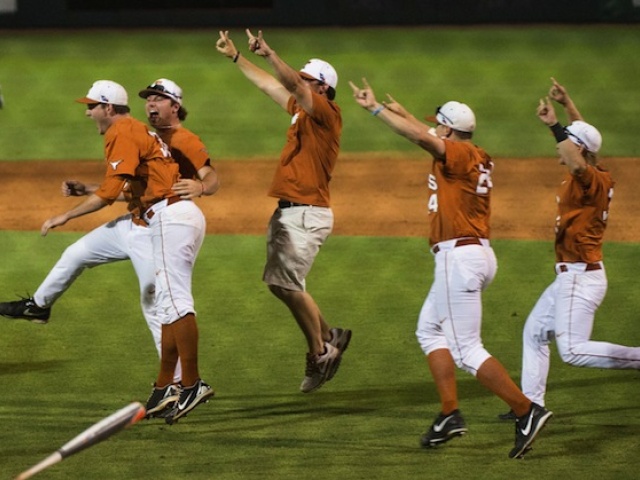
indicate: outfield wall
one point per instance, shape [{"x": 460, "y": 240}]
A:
[{"x": 286, "y": 13}]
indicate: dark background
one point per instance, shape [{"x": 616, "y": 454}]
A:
[{"x": 302, "y": 13}]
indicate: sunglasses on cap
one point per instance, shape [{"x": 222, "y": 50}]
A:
[
  {"x": 439, "y": 112},
  {"x": 162, "y": 89}
]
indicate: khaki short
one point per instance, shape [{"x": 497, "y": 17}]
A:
[{"x": 294, "y": 237}]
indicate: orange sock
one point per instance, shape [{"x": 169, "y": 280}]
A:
[
  {"x": 443, "y": 371},
  {"x": 186, "y": 335},
  {"x": 494, "y": 376},
  {"x": 169, "y": 356}
]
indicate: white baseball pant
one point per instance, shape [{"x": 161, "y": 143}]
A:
[
  {"x": 177, "y": 233},
  {"x": 565, "y": 312},
  {"x": 451, "y": 316},
  {"x": 117, "y": 240}
]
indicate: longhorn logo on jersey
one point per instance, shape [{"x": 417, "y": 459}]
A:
[{"x": 115, "y": 164}]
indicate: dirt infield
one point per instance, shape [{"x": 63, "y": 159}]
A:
[{"x": 371, "y": 196}]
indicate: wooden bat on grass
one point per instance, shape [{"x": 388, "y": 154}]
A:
[{"x": 95, "y": 434}]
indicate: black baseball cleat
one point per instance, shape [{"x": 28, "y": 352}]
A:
[
  {"x": 162, "y": 401},
  {"x": 444, "y": 428},
  {"x": 527, "y": 428},
  {"x": 190, "y": 398},
  {"x": 27, "y": 309},
  {"x": 510, "y": 415}
]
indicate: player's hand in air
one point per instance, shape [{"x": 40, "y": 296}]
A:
[
  {"x": 558, "y": 93},
  {"x": 257, "y": 44},
  {"x": 364, "y": 96},
  {"x": 393, "y": 106},
  {"x": 225, "y": 45},
  {"x": 546, "y": 113}
]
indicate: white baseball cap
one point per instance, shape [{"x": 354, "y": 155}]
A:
[
  {"x": 584, "y": 135},
  {"x": 105, "y": 91},
  {"x": 455, "y": 115},
  {"x": 320, "y": 70},
  {"x": 164, "y": 87}
]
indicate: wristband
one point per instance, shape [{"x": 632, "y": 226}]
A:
[
  {"x": 558, "y": 132},
  {"x": 378, "y": 110},
  {"x": 236, "y": 56}
]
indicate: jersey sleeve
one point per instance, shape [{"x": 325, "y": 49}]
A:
[
  {"x": 122, "y": 152},
  {"x": 196, "y": 151},
  {"x": 110, "y": 188}
]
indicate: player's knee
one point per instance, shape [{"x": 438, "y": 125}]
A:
[
  {"x": 75, "y": 255},
  {"x": 430, "y": 340},
  {"x": 471, "y": 358},
  {"x": 569, "y": 357}
]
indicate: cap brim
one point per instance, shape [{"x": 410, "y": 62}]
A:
[
  {"x": 87, "y": 100},
  {"x": 306, "y": 75},
  {"x": 431, "y": 119}
]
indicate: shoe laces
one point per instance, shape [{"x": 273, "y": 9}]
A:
[{"x": 312, "y": 365}]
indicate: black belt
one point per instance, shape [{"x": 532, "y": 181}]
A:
[
  {"x": 288, "y": 204},
  {"x": 461, "y": 243},
  {"x": 590, "y": 267}
]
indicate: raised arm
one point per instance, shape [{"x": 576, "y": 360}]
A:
[
  {"x": 558, "y": 93},
  {"x": 288, "y": 77},
  {"x": 570, "y": 154},
  {"x": 266, "y": 82},
  {"x": 398, "y": 119}
]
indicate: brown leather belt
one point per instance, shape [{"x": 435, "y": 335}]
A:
[
  {"x": 461, "y": 243},
  {"x": 170, "y": 201},
  {"x": 590, "y": 267}
]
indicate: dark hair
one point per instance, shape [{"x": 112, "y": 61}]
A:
[
  {"x": 331, "y": 93},
  {"x": 463, "y": 135},
  {"x": 182, "y": 113},
  {"x": 121, "y": 109}
]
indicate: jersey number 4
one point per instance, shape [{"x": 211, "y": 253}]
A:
[{"x": 483, "y": 186}]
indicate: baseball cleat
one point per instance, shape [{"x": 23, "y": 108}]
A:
[
  {"x": 510, "y": 415},
  {"x": 340, "y": 338},
  {"x": 444, "y": 428},
  {"x": 27, "y": 309},
  {"x": 162, "y": 400},
  {"x": 190, "y": 398},
  {"x": 320, "y": 368},
  {"x": 527, "y": 428}
]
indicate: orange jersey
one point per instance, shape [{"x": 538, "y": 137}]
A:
[
  {"x": 187, "y": 149},
  {"x": 310, "y": 154},
  {"x": 460, "y": 193},
  {"x": 583, "y": 209},
  {"x": 139, "y": 163}
]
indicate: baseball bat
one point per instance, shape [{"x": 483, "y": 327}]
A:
[{"x": 95, "y": 434}]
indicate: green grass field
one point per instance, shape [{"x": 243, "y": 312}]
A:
[
  {"x": 96, "y": 354},
  {"x": 501, "y": 72}
]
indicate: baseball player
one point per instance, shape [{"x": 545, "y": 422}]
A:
[
  {"x": 459, "y": 208},
  {"x": 566, "y": 309},
  {"x": 129, "y": 236},
  {"x": 304, "y": 219}
]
